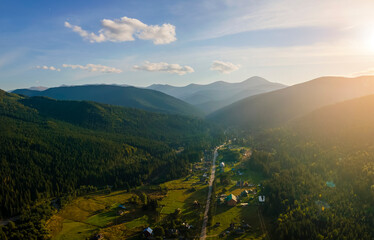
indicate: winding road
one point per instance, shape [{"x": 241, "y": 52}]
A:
[{"x": 211, "y": 180}]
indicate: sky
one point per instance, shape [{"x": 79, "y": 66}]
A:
[{"x": 143, "y": 42}]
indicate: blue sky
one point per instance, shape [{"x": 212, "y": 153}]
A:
[{"x": 50, "y": 43}]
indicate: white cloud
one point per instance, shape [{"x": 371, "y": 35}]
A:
[
  {"x": 48, "y": 68},
  {"x": 94, "y": 68},
  {"x": 92, "y": 37},
  {"x": 224, "y": 67},
  {"x": 127, "y": 29},
  {"x": 164, "y": 67}
]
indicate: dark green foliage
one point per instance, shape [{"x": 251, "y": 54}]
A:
[
  {"x": 139, "y": 98},
  {"x": 297, "y": 193},
  {"x": 30, "y": 224},
  {"x": 159, "y": 231},
  {"x": 229, "y": 156},
  {"x": 51, "y": 148},
  {"x": 225, "y": 178}
]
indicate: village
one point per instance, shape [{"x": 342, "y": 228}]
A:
[{"x": 175, "y": 209}]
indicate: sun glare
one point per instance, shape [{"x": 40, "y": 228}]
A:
[{"x": 369, "y": 41}]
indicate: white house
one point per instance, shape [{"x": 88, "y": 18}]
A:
[
  {"x": 222, "y": 165},
  {"x": 261, "y": 199}
]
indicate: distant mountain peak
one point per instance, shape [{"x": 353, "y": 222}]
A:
[
  {"x": 38, "y": 88},
  {"x": 212, "y": 96},
  {"x": 275, "y": 108}
]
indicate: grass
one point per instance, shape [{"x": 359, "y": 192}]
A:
[
  {"x": 94, "y": 213},
  {"x": 226, "y": 215},
  {"x": 75, "y": 230},
  {"x": 84, "y": 216},
  {"x": 248, "y": 176},
  {"x": 103, "y": 218}
]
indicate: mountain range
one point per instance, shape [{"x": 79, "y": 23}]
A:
[
  {"x": 133, "y": 97},
  {"x": 349, "y": 122},
  {"x": 214, "y": 96},
  {"x": 275, "y": 108}
]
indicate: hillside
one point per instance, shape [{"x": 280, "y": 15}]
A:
[
  {"x": 49, "y": 147},
  {"x": 216, "y": 95},
  {"x": 350, "y": 122},
  {"x": 278, "y": 107},
  {"x": 139, "y": 98}
]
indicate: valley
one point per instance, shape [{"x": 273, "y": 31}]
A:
[
  {"x": 177, "y": 207},
  {"x": 187, "y": 120},
  {"x": 88, "y": 170}
]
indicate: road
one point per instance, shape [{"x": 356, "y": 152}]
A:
[
  {"x": 212, "y": 175},
  {"x": 262, "y": 223}
]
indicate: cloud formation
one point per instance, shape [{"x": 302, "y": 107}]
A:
[
  {"x": 127, "y": 29},
  {"x": 94, "y": 68},
  {"x": 164, "y": 67},
  {"x": 224, "y": 67},
  {"x": 48, "y": 68}
]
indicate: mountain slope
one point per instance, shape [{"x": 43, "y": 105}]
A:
[
  {"x": 118, "y": 95},
  {"x": 50, "y": 147},
  {"x": 216, "y": 95},
  {"x": 278, "y": 107},
  {"x": 351, "y": 121}
]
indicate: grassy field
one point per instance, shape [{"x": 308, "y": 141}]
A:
[
  {"x": 87, "y": 215},
  {"x": 238, "y": 215},
  {"x": 226, "y": 215},
  {"x": 75, "y": 230},
  {"x": 98, "y": 213}
]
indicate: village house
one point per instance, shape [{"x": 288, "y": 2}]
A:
[
  {"x": 261, "y": 199},
  {"x": 147, "y": 232},
  {"x": 231, "y": 200}
]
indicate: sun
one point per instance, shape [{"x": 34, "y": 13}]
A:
[{"x": 369, "y": 41}]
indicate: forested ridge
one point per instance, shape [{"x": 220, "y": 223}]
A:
[
  {"x": 49, "y": 148},
  {"x": 320, "y": 173},
  {"x": 125, "y": 96}
]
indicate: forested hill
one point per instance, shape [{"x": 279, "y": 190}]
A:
[
  {"x": 278, "y": 107},
  {"x": 321, "y": 173},
  {"x": 133, "y": 97},
  {"x": 51, "y": 148},
  {"x": 350, "y": 122}
]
